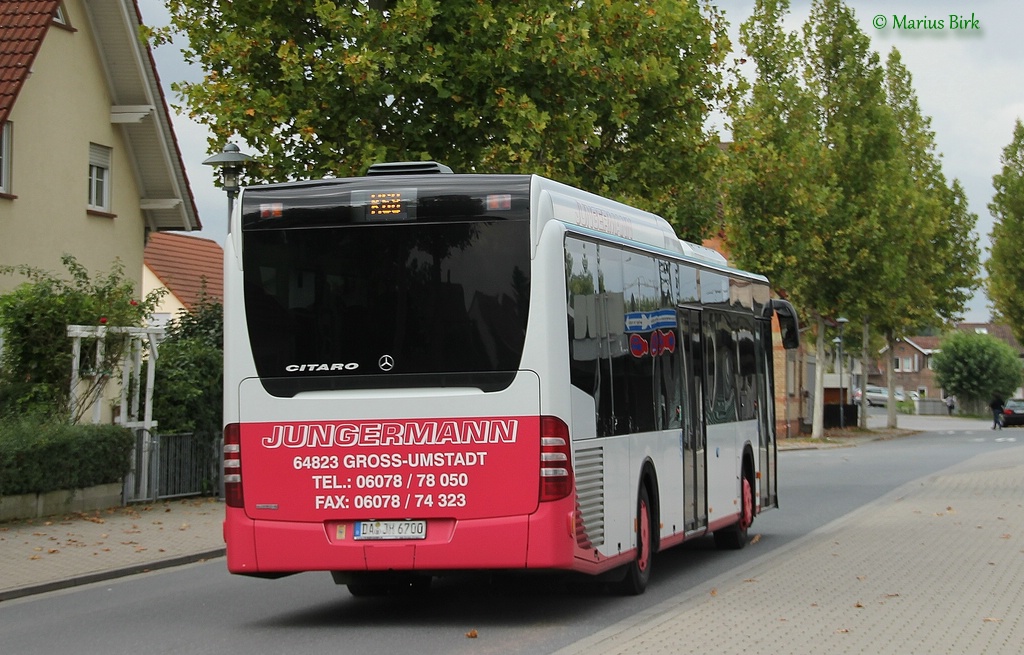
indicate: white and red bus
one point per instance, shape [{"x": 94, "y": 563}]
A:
[{"x": 428, "y": 372}]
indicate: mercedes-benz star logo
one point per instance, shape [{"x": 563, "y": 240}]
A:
[{"x": 386, "y": 362}]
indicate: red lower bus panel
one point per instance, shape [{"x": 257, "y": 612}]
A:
[
  {"x": 540, "y": 541},
  {"x": 289, "y": 546},
  {"x": 552, "y": 536},
  {"x": 239, "y": 535}
]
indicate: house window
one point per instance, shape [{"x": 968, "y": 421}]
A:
[
  {"x": 907, "y": 366},
  {"x": 61, "y": 16},
  {"x": 895, "y": 363},
  {"x": 99, "y": 178},
  {"x": 5, "y": 157}
]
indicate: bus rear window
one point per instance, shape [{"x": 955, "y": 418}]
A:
[{"x": 394, "y": 304}]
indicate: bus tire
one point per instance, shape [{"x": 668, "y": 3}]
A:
[
  {"x": 638, "y": 572},
  {"x": 735, "y": 536}
]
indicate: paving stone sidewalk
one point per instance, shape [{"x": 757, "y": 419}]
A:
[
  {"x": 934, "y": 567},
  {"x": 64, "y": 551}
]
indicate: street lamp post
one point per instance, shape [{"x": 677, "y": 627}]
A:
[
  {"x": 231, "y": 162},
  {"x": 842, "y": 321}
]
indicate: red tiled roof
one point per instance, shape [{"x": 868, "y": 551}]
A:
[
  {"x": 924, "y": 344},
  {"x": 182, "y": 262},
  {"x": 23, "y": 24}
]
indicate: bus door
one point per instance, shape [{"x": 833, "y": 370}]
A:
[
  {"x": 766, "y": 414},
  {"x": 691, "y": 363}
]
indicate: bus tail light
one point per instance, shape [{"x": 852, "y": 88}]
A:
[
  {"x": 556, "y": 481},
  {"x": 233, "y": 466}
]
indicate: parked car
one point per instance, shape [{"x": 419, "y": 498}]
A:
[
  {"x": 877, "y": 395},
  {"x": 1013, "y": 412}
]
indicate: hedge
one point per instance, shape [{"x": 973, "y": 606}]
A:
[{"x": 37, "y": 458}]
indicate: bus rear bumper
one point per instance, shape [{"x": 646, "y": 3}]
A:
[{"x": 258, "y": 547}]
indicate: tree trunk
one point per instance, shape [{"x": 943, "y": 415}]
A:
[
  {"x": 818, "y": 414},
  {"x": 890, "y": 340},
  {"x": 864, "y": 376}
]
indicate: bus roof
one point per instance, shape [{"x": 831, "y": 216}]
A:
[
  {"x": 551, "y": 200},
  {"x": 567, "y": 204}
]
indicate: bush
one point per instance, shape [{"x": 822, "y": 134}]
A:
[
  {"x": 976, "y": 367},
  {"x": 36, "y": 363},
  {"x": 188, "y": 390},
  {"x": 40, "y": 457}
]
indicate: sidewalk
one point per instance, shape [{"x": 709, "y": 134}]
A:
[
  {"x": 936, "y": 566},
  {"x": 65, "y": 551}
]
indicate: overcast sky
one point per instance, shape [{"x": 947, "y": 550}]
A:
[{"x": 970, "y": 81}]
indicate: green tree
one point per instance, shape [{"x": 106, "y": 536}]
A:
[
  {"x": 188, "y": 393},
  {"x": 935, "y": 263},
  {"x": 814, "y": 144},
  {"x": 35, "y": 369},
  {"x": 611, "y": 96},
  {"x": 188, "y": 383},
  {"x": 974, "y": 367},
  {"x": 956, "y": 245},
  {"x": 1005, "y": 265},
  {"x": 777, "y": 186}
]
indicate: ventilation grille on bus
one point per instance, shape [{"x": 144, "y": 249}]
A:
[
  {"x": 408, "y": 168},
  {"x": 590, "y": 494}
]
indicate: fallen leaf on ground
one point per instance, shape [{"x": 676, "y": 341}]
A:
[{"x": 472, "y": 634}]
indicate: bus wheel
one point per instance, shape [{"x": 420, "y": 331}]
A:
[
  {"x": 735, "y": 536},
  {"x": 638, "y": 572}
]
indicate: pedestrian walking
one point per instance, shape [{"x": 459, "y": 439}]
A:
[
  {"x": 950, "y": 403},
  {"x": 997, "y": 412}
]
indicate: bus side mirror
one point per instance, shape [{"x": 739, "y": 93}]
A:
[{"x": 789, "y": 324}]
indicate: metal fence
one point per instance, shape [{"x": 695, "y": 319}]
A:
[{"x": 172, "y": 466}]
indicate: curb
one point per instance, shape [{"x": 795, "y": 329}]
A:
[{"x": 101, "y": 576}]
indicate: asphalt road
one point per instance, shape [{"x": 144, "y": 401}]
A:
[{"x": 201, "y": 609}]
